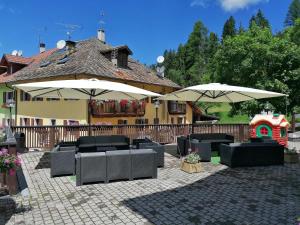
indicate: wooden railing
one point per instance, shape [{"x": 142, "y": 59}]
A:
[{"x": 47, "y": 136}]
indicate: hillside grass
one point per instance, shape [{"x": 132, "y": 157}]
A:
[{"x": 222, "y": 112}]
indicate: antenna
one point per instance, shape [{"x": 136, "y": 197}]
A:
[
  {"x": 101, "y": 21},
  {"x": 70, "y": 28},
  {"x": 39, "y": 32}
]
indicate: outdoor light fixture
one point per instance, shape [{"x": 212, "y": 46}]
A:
[{"x": 156, "y": 106}]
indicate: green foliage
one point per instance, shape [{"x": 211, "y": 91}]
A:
[
  {"x": 229, "y": 28},
  {"x": 295, "y": 32},
  {"x": 257, "y": 59},
  {"x": 192, "y": 158},
  {"x": 187, "y": 66},
  {"x": 251, "y": 58},
  {"x": 260, "y": 20},
  {"x": 293, "y": 13}
]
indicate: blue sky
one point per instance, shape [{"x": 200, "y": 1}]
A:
[{"x": 147, "y": 27}]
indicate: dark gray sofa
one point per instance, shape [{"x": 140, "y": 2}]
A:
[
  {"x": 90, "y": 167},
  {"x": 143, "y": 163},
  {"x": 62, "y": 161},
  {"x": 115, "y": 165},
  {"x": 158, "y": 148},
  {"x": 252, "y": 154},
  {"x": 203, "y": 149},
  {"x": 216, "y": 139},
  {"x": 90, "y": 143}
]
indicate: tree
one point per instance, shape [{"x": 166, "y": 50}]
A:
[
  {"x": 295, "y": 32},
  {"x": 258, "y": 59},
  {"x": 229, "y": 28},
  {"x": 260, "y": 20},
  {"x": 293, "y": 13}
]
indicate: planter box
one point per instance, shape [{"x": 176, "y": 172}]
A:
[
  {"x": 291, "y": 158},
  {"x": 2, "y": 179},
  {"x": 191, "y": 168}
]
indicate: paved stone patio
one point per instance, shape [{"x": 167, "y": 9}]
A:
[{"x": 218, "y": 195}]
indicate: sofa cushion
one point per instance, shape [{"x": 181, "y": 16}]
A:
[
  {"x": 86, "y": 140},
  {"x": 100, "y": 140}
]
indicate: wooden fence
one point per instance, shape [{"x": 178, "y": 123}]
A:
[{"x": 47, "y": 136}]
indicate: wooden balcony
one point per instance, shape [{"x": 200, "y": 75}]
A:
[
  {"x": 176, "y": 108},
  {"x": 118, "y": 109}
]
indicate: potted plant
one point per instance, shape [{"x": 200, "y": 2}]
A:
[
  {"x": 291, "y": 156},
  {"x": 9, "y": 163},
  {"x": 191, "y": 163},
  {"x": 123, "y": 104}
]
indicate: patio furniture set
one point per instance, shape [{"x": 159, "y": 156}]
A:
[
  {"x": 256, "y": 152},
  {"x": 106, "y": 158}
]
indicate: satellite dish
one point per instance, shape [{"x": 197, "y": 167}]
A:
[
  {"x": 160, "y": 59},
  {"x": 20, "y": 53},
  {"x": 61, "y": 44},
  {"x": 14, "y": 52}
]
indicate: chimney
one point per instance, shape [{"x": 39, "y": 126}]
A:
[
  {"x": 101, "y": 35},
  {"x": 42, "y": 47}
]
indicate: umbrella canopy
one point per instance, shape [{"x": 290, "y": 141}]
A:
[
  {"x": 216, "y": 92},
  {"x": 85, "y": 89}
]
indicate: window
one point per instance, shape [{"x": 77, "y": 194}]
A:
[
  {"x": 7, "y": 122},
  {"x": 179, "y": 120},
  {"x": 282, "y": 132},
  {"x": 24, "y": 96},
  {"x": 52, "y": 99},
  {"x": 73, "y": 122},
  {"x": 8, "y": 97},
  {"x": 37, "y": 99},
  {"x": 38, "y": 122},
  {"x": 122, "y": 122},
  {"x": 141, "y": 121},
  {"x": 24, "y": 121},
  {"x": 53, "y": 122},
  {"x": 264, "y": 130}
]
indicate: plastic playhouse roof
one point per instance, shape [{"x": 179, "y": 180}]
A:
[{"x": 272, "y": 119}]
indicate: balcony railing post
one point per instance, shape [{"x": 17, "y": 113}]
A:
[{"x": 51, "y": 137}]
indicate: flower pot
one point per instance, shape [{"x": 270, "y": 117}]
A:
[
  {"x": 191, "y": 167},
  {"x": 291, "y": 158},
  {"x": 11, "y": 182},
  {"x": 2, "y": 179}
]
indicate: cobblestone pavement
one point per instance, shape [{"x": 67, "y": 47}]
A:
[{"x": 218, "y": 195}]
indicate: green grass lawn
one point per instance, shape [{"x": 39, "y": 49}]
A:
[{"x": 222, "y": 112}]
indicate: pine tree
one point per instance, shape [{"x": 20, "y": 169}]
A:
[
  {"x": 241, "y": 29},
  {"x": 213, "y": 43},
  {"x": 293, "y": 13},
  {"x": 229, "y": 28},
  {"x": 260, "y": 20}
]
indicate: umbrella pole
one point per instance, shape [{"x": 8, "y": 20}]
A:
[{"x": 89, "y": 116}]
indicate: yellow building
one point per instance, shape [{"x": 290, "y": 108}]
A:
[{"x": 93, "y": 58}]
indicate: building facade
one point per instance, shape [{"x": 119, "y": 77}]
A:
[{"x": 93, "y": 58}]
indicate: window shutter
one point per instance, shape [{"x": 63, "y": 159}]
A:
[{"x": 4, "y": 97}]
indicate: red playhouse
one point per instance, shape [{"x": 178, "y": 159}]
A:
[{"x": 275, "y": 126}]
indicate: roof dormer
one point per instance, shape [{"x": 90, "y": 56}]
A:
[{"x": 118, "y": 55}]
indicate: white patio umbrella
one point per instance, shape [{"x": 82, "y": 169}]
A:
[
  {"x": 216, "y": 92},
  {"x": 85, "y": 89}
]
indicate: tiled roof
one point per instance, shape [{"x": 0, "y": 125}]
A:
[
  {"x": 18, "y": 59},
  {"x": 4, "y": 77},
  {"x": 89, "y": 60}
]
